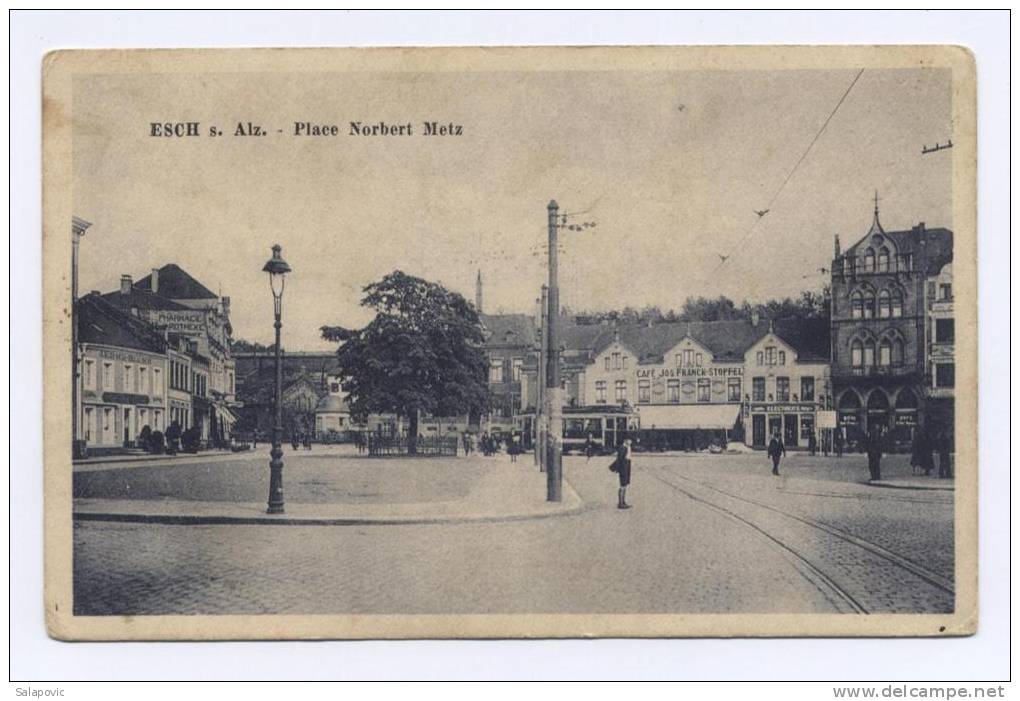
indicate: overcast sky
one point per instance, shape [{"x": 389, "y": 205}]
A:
[{"x": 671, "y": 166}]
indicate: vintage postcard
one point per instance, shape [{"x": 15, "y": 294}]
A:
[{"x": 510, "y": 342}]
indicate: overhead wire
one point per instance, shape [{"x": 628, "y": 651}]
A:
[{"x": 793, "y": 170}]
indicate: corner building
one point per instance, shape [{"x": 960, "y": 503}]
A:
[{"x": 881, "y": 360}]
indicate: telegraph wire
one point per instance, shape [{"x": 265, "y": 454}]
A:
[{"x": 793, "y": 170}]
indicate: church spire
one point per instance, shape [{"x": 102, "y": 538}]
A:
[
  {"x": 478, "y": 292},
  {"x": 876, "y": 227}
]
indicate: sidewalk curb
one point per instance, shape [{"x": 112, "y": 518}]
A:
[
  {"x": 883, "y": 484},
  {"x": 572, "y": 504}
]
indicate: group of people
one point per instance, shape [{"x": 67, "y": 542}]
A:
[
  {"x": 158, "y": 443},
  {"x": 301, "y": 439},
  {"x": 490, "y": 444}
]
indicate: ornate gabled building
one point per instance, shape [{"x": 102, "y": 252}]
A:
[
  {"x": 196, "y": 322},
  {"x": 880, "y": 311}
]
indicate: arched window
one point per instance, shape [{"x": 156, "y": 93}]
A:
[
  {"x": 883, "y": 260},
  {"x": 897, "y": 352},
  {"x": 885, "y": 353},
  {"x": 869, "y": 305},
  {"x": 869, "y": 260},
  {"x": 878, "y": 401},
  {"x": 896, "y": 303},
  {"x": 884, "y": 305},
  {"x": 857, "y": 353},
  {"x": 857, "y": 305},
  {"x": 869, "y": 353},
  {"x": 906, "y": 399}
]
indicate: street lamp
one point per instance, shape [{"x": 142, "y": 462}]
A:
[{"x": 277, "y": 268}]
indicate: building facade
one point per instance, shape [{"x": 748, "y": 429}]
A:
[
  {"x": 122, "y": 377},
  {"x": 881, "y": 364},
  {"x": 940, "y": 352}
]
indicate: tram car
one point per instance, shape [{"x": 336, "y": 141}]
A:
[{"x": 607, "y": 425}]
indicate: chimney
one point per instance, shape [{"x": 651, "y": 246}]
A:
[
  {"x": 836, "y": 247},
  {"x": 125, "y": 284},
  {"x": 225, "y": 301},
  {"x": 155, "y": 281},
  {"x": 755, "y": 317}
]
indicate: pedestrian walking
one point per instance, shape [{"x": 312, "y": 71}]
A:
[
  {"x": 874, "y": 443},
  {"x": 837, "y": 439},
  {"x": 944, "y": 444},
  {"x": 513, "y": 447},
  {"x": 826, "y": 440},
  {"x": 920, "y": 451},
  {"x": 621, "y": 466},
  {"x": 776, "y": 451},
  {"x": 589, "y": 447},
  {"x": 812, "y": 443},
  {"x": 466, "y": 441}
]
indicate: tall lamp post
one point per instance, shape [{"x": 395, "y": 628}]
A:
[{"x": 277, "y": 268}]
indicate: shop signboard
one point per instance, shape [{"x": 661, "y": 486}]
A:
[{"x": 826, "y": 419}]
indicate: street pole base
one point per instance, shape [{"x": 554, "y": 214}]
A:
[{"x": 275, "y": 509}]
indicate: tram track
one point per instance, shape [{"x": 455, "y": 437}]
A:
[{"x": 855, "y": 602}]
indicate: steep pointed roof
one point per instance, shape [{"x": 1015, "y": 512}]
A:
[
  {"x": 101, "y": 322},
  {"x": 138, "y": 298},
  {"x": 175, "y": 283}
]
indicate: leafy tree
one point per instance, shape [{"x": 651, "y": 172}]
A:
[{"x": 422, "y": 353}]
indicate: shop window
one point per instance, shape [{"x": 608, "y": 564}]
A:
[
  {"x": 673, "y": 391},
  {"x": 758, "y": 389},
  {"x": 704, "y": 390},
  {"x": 782, "y": 389},
  {"x": 644, "y": 392},
  {"x": 600, "y": 392},
  {"x": 807, "y": 389},
  {"x": 733, "y": 389},
  {"x": 621, "y": 391},
  {"x": 807, "y": 427},
  {"x": 945, "y": 375},
  {"x": 944, "y": 330}
]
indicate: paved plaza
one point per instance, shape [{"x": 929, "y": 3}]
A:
[{"x": 708, "y": 533}]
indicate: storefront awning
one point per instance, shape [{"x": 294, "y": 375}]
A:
[{"x": 690, "y": 416}]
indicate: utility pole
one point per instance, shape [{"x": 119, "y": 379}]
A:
[
  {"x": 540, "y": 418},
  {"x": 78, "y": 228},
  {"x": 553, "y": 398}
]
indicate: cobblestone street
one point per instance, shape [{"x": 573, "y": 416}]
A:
[{"x": 707, "y": 534}]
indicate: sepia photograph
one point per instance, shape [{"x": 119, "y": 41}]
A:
[{"x": 510, "y": 342}]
